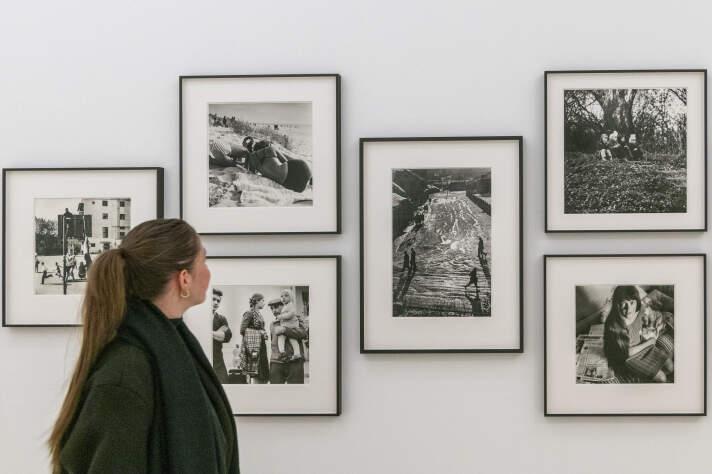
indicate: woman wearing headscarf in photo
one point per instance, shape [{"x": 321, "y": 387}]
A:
[
  {"x": 638, "y": 336},
  {"x": 143, "y": 397},
  {"x": 254, "y": 349}
]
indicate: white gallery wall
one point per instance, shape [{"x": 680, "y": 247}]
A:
[{"x": 96, "y": 84}]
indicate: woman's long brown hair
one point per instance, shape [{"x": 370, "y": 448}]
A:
[
  {"x": 616, "y": 341},
  {"x": 149, "y": 255}
]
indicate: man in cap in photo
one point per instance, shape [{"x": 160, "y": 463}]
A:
[{"x": 285, "y": 370}]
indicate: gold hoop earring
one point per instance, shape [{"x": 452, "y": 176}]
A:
[{"x": 184, "y": 294}]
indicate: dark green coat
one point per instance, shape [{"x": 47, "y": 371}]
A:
[
  {"x": 111, "y": 433},
  {"x": 152, "y": 404}
]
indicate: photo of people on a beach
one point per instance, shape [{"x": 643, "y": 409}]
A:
[
  {"x": 69, "y": 233},
  {"x": 260, "y": 154},
  {"x": 441, "y": 242},
  {"x": 261, "y": 334}
]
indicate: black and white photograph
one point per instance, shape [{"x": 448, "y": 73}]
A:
[
  {"x": 442, "y": 242},
  {"x": 625, "y": 334},
  {"x": 626, "y": 150},
  {"x": 69, "y": 234},
  {"x": 57, "y": 222},
  {"x": 441, "y": 267},
  {"x": 260, "y": 154},
  {"x": 261, "y": 334},
  {"x": 270, "y": 326}
]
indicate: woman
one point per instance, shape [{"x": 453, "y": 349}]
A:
[
  {"x": 254, "y": 350},
  {"x": 637, "y": 340},
  {"x": 143, "y": 396},
  {"x": 292, "y": 173}
]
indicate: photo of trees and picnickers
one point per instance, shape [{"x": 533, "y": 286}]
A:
[{"x": 625, "y": 151}]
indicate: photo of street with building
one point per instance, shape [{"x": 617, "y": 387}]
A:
[
  {"x": 261, "y": 334},
  {"x": 260, "y": 154},
  {"x": 69, "y": 234},
  {"x": 625, "y": 151},
  {"x": 441, "y": 242}
]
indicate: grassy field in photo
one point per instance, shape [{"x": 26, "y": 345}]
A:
[{"x": 656, "y": 185}]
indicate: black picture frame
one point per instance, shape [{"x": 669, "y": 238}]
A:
[
  {"x": 546, "y": 257},
  {"x": 520, "y": 347},
  {"x": 337, "y": 78},
  {"x": 337, "y": 259},
  {"x": 159, "y": 214},
  {"x": 547, "y": 185}
]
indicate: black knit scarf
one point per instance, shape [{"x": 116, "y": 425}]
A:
[{"x": 185, "y": 434}]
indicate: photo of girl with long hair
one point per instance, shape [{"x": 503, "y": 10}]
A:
[{"x": 625, "y": 334}]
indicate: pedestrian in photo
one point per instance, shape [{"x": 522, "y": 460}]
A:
[
  {"x": 413, "y": 265},
  {"x": 221, "y": 335},
  {"x": 43, "y": 271},
  {"x": 86, "y": 251},
  {"x": 71, "y": 264},
  {"x": 290, "y": 371},
  {"x": 473, "y": 278},
  {"x": 254, "y": 349}
]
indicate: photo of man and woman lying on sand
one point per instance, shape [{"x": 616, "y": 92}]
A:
[{"x": 260, "y": 154}]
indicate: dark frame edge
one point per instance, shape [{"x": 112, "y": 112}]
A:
[
  {"x": 516, "y": 350},
  {"x": 338, "y": 394},
  {"x": 338, "y": 204},
  {"x": 159, "y": 206},
  {"x": 546, "y": 257},
  {"x": 546, "y": 152}
]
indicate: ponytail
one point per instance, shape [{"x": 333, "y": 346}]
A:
[{"x": 102, "y": 312}]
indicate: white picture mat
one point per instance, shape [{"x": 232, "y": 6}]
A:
[
  {"x": 319, "y": 396},
  {"x": 198, "y": 93},
  {"x": 694, "y": 218},
  {"x": 381, "y": 329},
  {"x": 564, "y": 395},
  {"x": 22, "y": 188}
]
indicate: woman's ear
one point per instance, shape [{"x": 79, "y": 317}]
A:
[{"x": 184, "y": 280}]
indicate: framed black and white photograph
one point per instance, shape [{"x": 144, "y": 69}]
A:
[
  {"x": 271, "y": 328},
  {"x": 56, "y": 222},
  {"x": 441, "y": 267},
  {"x": 260, "y": 154},
  {"x": 626, "y": 150},
  {"x": 625, "y": 334}
]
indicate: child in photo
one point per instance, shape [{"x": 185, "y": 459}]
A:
[
  {"x": 289, "y": 319},
  {"x": 603, "y": 152},
  {"x": 635, "y": 151}
]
